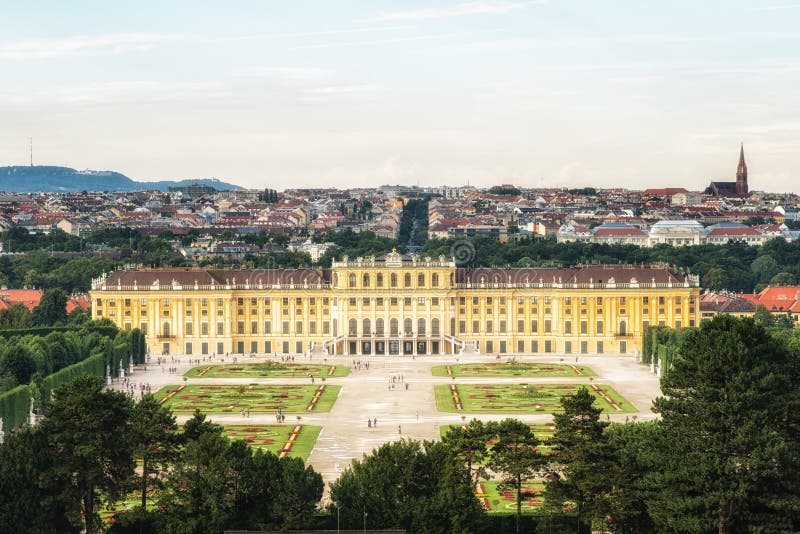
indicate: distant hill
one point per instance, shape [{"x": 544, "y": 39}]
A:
[{"x": 25, "y": 179}]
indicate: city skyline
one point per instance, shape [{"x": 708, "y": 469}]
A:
[{"x": 535, "y": 93}]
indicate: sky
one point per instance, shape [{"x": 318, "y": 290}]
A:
[{"x": 348, "y": 93}]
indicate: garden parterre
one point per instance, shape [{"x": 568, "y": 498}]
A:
[
  {"x": 268, "y": 369},
  {"x": 522, "y": 398},
  {"x": 512, "y": 369},
  {"x": 257, "y": 398}
]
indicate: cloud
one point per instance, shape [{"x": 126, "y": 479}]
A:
[
  {"x": 775, "y": 8},
  {"x": 410, "y": 39},
  {"x": 286, "y": 74},
  {"x": 126, "y": 92},
  {"x": 454, "y": 10},
  {"x": 84, "y": 45},
  {"x": 632, "y": 39},
  {"x": 340, "y": 89}
]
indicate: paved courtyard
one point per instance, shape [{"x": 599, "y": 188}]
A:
[{"x": 401, "y": 412}]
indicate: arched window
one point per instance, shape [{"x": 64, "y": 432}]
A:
[
  {"x": 351, "y": 280},
  {"x": 365, "y": 282},
  {"x": 393, "y": 327},
  {"x": 434, "y": 280},
  {"x": 379, "y": 280},
  {"x": 435, "y": 326},
  {"x": 353, "y": 330},
  {"x": 420, "y": 280},
  {"x": 408, "y": 325},
  {"x": 452, "y": 326},
  {"x": 379, "y": 326},
  {"x": 393, "y": 280},
  {"x": 166, "y": 330},
  {"x": 623, "y": 328},
  {"x": 421, "y": 326},
  {"x": 366, "y": 327},
  {"x": 407, "y": 280}
]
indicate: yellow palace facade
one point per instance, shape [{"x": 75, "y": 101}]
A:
[{"x": 397, "y": 305}]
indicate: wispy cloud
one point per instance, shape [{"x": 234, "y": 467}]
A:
[
  {"x": 776, "y": 7},
  {"x": 317, "y": 33},
  {"x": 126, "y": 91},
  {"x": 656, "y": 39},
  {"x": 342, "y": 89},
  {"x": 454, "y": 10},
  {"x": 286, "y": 74},
  {"x": 84, "y": 45},
  {"x": 395, "y": 40}
]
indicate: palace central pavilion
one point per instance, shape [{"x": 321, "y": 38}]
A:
[{"x": 397, "y": 305}]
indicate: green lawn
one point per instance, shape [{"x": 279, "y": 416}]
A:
[
  {"x": 258, "y": 398},
  {"x": 504, "y": 502},
  {"x": 268, "y": 369},
  {"x": 523, "y": 398},
  {"x": 274, "y": 437},
  {"x": 512, "y": 369}
]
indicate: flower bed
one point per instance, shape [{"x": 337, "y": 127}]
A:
[
  {"x": 522, "y": 398},
  {"x": 258, "y": 398},
  {"x": 269, "y": 369},
  {"x": 512, "y": 369}
]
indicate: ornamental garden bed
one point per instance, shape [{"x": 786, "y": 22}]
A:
[
  {"x": 522, "y": 398},
  {"x": 512, "y": 369},
  {"x": 289, "y": 440},
  {"x": 268, "y": 369},
  {"x": 258, "y": 398},
  {"x": 504, "y": 501}
]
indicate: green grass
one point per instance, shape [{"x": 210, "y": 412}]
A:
[
  {"x": 258, "y": 398},
  {"x": 505, "y": 502},
  {"x": 267, "y": 369},
  {"x": 273, "y": 437},
  {"x": 512, "y": 369},
  {"x": 522, "y": 398}
]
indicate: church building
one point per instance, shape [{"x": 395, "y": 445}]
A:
[{"x": 738, "y": 188}]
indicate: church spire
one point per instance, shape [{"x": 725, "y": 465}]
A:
[{"x": 741, "y": 174}]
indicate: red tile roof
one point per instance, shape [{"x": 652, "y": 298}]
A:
[{"x": 28, "y": 297}]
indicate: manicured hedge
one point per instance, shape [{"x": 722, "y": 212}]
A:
[
  {"x": 93, "y": 365},
  {"x": 108, "y": 331},
  {"x": 14, "y": 407},
  {"x": 116, "y": 350}
]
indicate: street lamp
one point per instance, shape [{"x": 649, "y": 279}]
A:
[
  {"x": 337, "y": 519},
  {"x": 365, "y": 519}
]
